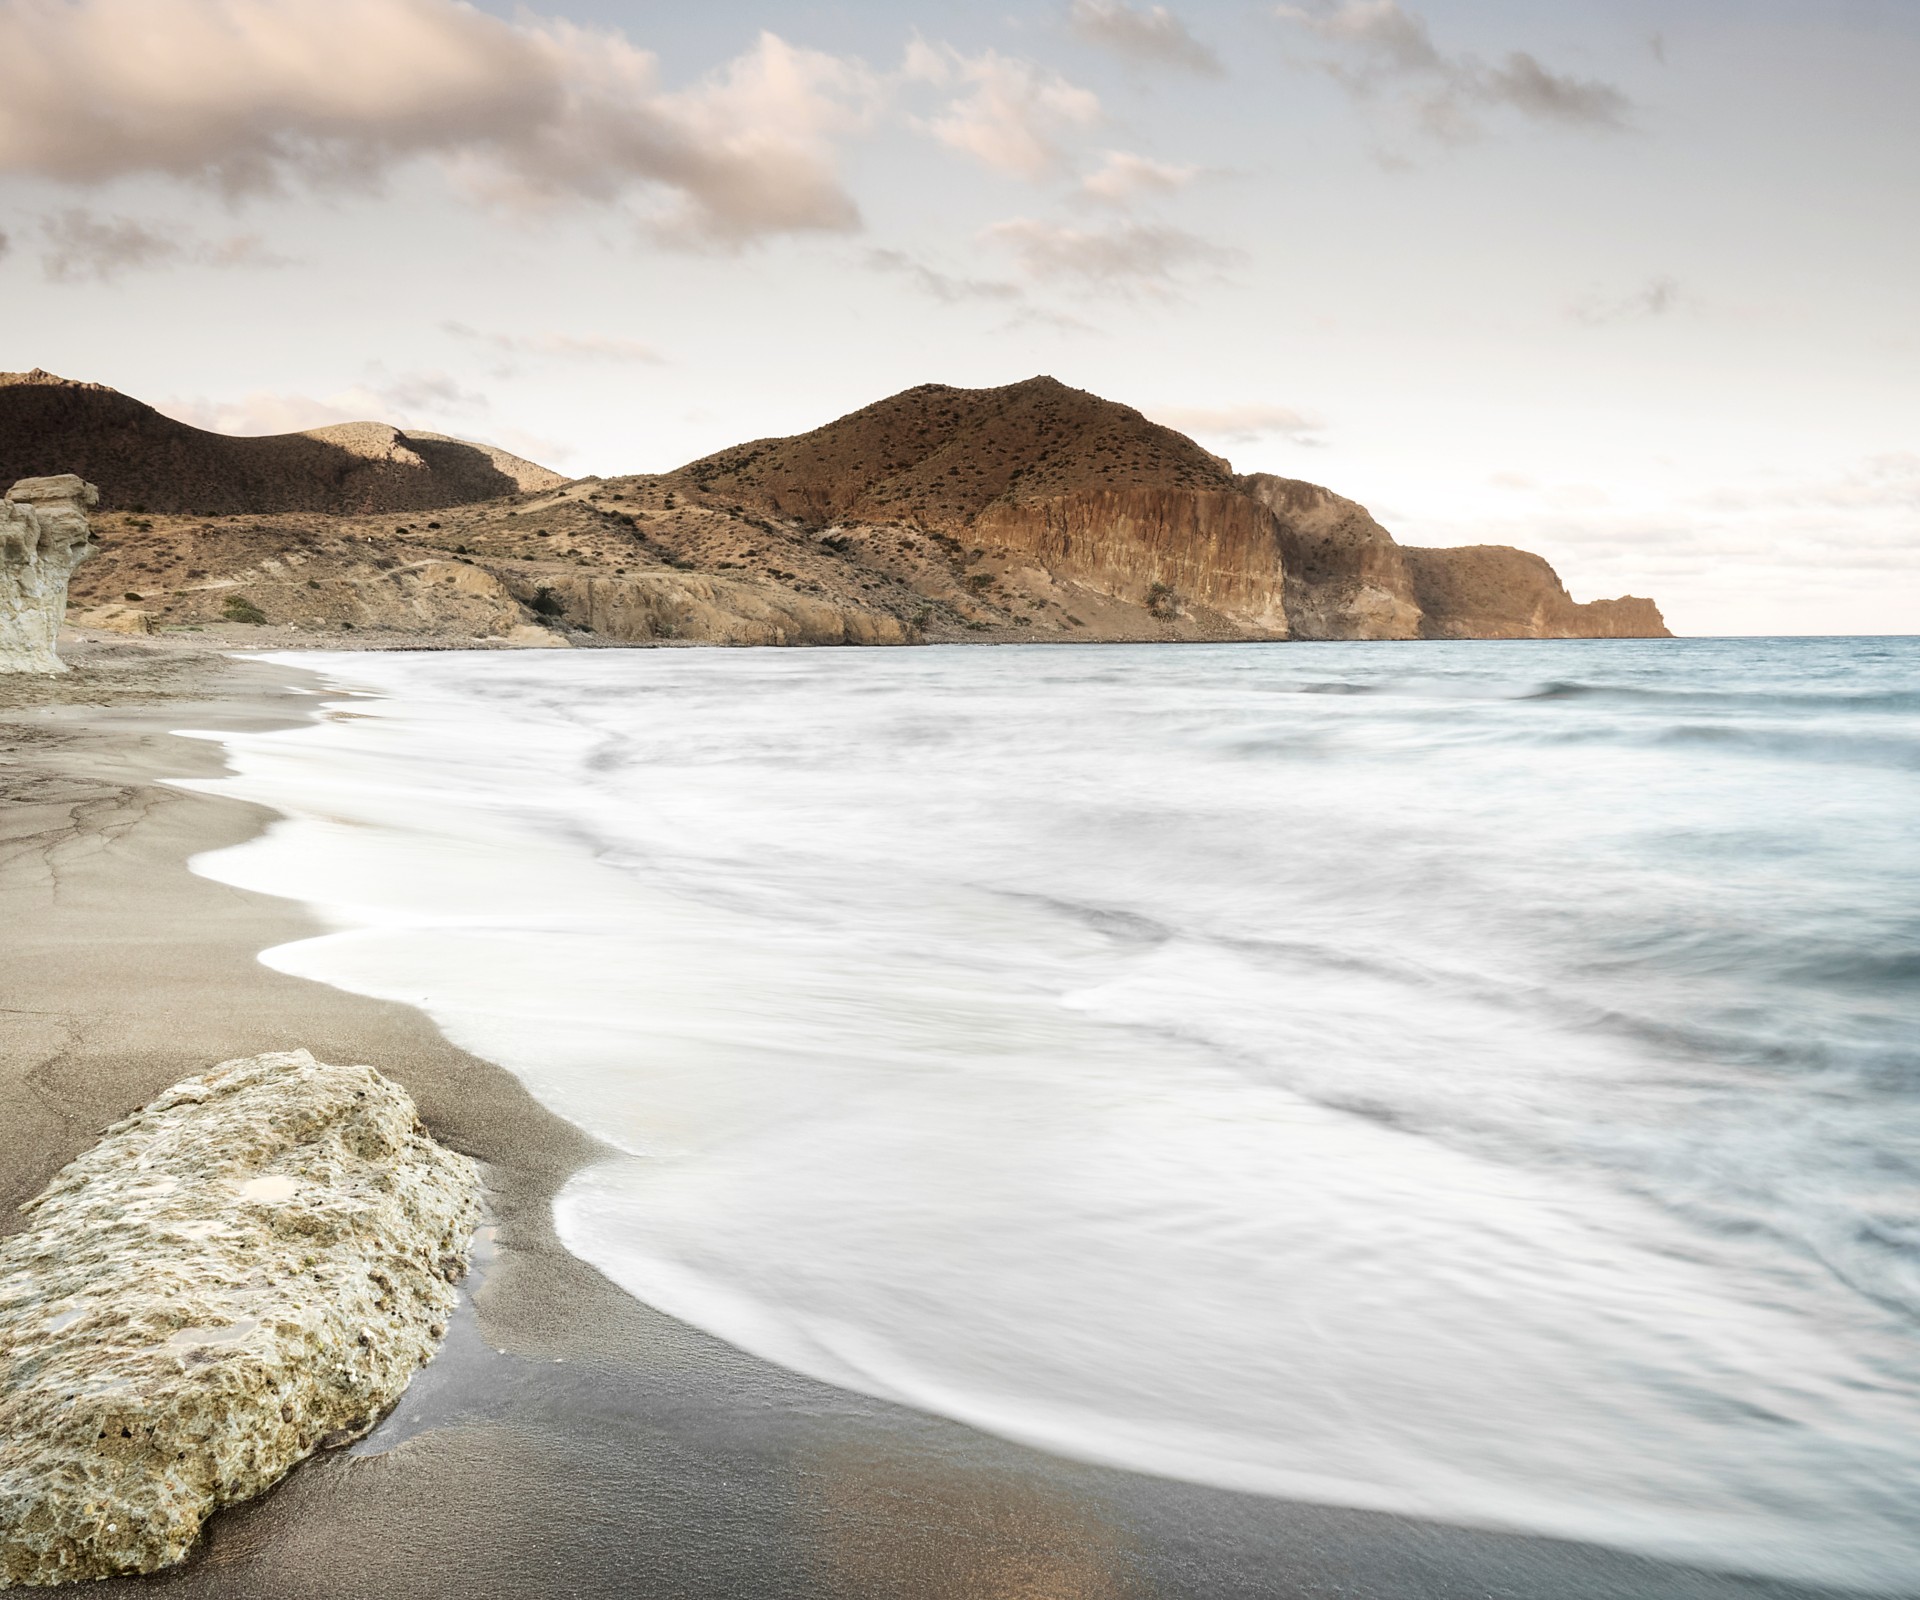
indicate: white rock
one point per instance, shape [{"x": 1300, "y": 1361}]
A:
[
  {"x": 43, "y": 537},
  {"x": 249, "y": 1269}
]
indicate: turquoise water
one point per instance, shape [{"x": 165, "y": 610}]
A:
[{"x": 1474, "y": 1080}]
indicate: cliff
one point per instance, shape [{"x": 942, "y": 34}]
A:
[
  {"x": 1032, "y": 511},
  {"x": 1491, "y": 591},
  {"x": 1040, "y": 479},
  {"x": 1036, "y": 475},
  {"x": 147, "y": 462},
  {"x": 1345, "y": 577}
]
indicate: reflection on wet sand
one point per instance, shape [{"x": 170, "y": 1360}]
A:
[{"x": 918, "y": 1527}]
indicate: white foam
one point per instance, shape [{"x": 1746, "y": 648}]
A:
[{"x": 1137, "y": 1065}]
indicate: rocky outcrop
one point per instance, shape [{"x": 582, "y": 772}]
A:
[
  {"x": 1086, "y": 491},
  {"x": 1345, "y": 576},
  {"x": 1490, "y": 591},
  {"x": 1030, "y": 511},
  {"x": 44, "y": 535},
  {"x": 1159, "y": 548},
  {"x": 246, "y": 1271},
  {"x": 147, "y": 462},
  {"x": 692, "y": 608}
]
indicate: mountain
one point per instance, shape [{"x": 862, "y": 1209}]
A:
[
  {"x": 1033, "y": 511},
  {"x": 1092, "y": 491},
  {"x": 144, "y": 461}
]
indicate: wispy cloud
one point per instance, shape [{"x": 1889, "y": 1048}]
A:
[
  {"x": 1152, "y": 35},
  {"x": 1124, "y": 178},
  {"x": 1386, "y": 49},
  {"x": 256, "y": 96},
  {"x": 384, "y": 399},
  {"x": 571, "y": 346},
  {"x": 81, "y": 246},
  {"x": 1242, "y": 424},
  {"x": 1129, "y": 258},
  {"x": 404, "y": 400},
  {"x": 1006, "y": 113},
  {"x": 1657, "y": 297},
  {"x": 940, "y": 285}
]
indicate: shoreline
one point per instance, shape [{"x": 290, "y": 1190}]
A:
[{"x": 569, "y": 1440}]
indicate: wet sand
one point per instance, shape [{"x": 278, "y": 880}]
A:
[{"x": 569, "y": 1441}]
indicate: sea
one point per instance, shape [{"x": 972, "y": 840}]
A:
[{"x": 1478, "y": 1081}]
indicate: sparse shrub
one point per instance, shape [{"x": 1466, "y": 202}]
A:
[
  {"x": 129, "y": 595},
  {"x": 239, "y": 608},
  {"x": 547, "y": 604},
  {"x": 1162, "y": 602}
]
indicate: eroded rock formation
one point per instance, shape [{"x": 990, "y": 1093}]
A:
[
  {"x": 1491, "y": 591},
  {"x": 939, "y": 514},
  {"x": 246, "y": 1271},
  {"x": 1345, "y": 576},
  {"x": 43, "y": 536}
]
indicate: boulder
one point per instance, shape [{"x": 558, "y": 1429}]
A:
[
  {"x": 43, "y": 537},
  {"x": 248, "y": 1270}
]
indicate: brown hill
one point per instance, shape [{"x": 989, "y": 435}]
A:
[
  {"x": 141, "y": 459},
  {"x": 1090, "y": 491},
  {"x": 1033, "y": 511}
]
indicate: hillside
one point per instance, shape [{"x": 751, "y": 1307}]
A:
[
  {"x": 1051, "y": 480},
  {"x": 147, "y": 462},
  {"x": 1032, "y": 511}
]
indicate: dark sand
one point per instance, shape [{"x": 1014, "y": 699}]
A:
[{"x": 570, "y": 1441}]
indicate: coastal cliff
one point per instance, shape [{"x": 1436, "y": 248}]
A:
[{"x": 1029, "y": 511}]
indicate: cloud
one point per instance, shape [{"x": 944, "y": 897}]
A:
[
  {"x": 943, "y": 287},
  {"x": 1154, "y": 36},
  {"x": 259, "y": 412},
  {"x": 399, "y": 399},
  {"x": 257, "y": 96},
  {"x": 1129, "y": 258},
  {"x": 1007, "y": 114},
  {"x": 82, "y": 246},
  {"x": 1388, "y": 49},
  {"x": 579, "y": 347},
  {"x": 1657, "y": 297},
  {"x": 411, "y": 393},
  {"x": 1242, "y": 423},
  {"x": 272, "y": 412},
  {"x": 1124, "y": 177}
]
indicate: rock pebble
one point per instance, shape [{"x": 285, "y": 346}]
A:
[{"x": 248, "y": 1270}]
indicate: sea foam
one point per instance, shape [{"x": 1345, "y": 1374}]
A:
[{"x": 1475, "y": 1081}]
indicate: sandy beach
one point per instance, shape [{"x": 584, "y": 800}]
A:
[{"x": 569, "y": 1440}]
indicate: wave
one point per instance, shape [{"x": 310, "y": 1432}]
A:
[{"x": 1428, "y": 1114}]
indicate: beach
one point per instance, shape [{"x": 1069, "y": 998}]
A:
[{"x": 570, "y": 1440}]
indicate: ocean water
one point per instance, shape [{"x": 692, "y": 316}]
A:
[{"x": 1480, "y": 1081}]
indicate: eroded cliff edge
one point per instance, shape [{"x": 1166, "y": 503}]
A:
[{"x": 1029, "y": 511}]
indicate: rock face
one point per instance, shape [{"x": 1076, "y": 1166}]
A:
[
  {"x": 1094, "y": 494},
  {"x": 1345, "y": 577},
  {"x": 43, "y": 536},
  {"x": 693, "y": 608},
  {"x": 1490, "y": 591},
  {"x": 1086, "y": 490},
  {"x": 248, "y": 1270},
  {"x": 150, "y": 463},
  {"x": 1033, "y": 511}
]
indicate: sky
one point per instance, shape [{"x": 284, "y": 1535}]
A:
[{"x": 1632, "y": 283}]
